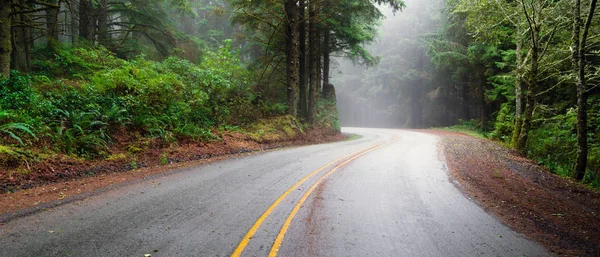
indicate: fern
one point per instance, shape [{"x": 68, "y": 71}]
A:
[{"x": 12, "y": 129}]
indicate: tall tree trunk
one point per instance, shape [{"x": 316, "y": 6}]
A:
[
  {"x": 20, "y": 46},
  {"x": 416, "y": 107},
  {"x": 52, "y": 23},
  {"x": 303, "y": 79},
  {"x": 74, "y": 24},
  {"x": 535, "y": 27},
  {"x": 314, "y": 56},
  {"x": 582, "y": 124},
  {"x": 519, "y": 101},
  {"x": 292, "y": 55},
  {"x": 86, "y": 18},
  {"x": 102, "y": 14},
  {"x": 326, "y": 56},
  {"x": 5, "y": 38},
  {"x": 466, "y": 103}
]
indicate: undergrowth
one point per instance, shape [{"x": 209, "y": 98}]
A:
[
  {"x": 552, "y": 142},
  {"x": 82, "y": 100}
]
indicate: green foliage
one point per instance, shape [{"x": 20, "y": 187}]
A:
[
  {"x": 554, "y": 142},
  {"x": 74, "y": 62},
  {"x": 81, "y": 133},
  {"x": 504, "y": 125},
  {"x": 327, "y": 116},
  {"x": 472, "y": 127},
  {"x": 275, "y": 129},
  {"x": 83, "y": 97},
  {"x": 14, "y": 129}
]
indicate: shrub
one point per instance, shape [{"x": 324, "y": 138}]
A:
[{"x": 327, "y": 115}]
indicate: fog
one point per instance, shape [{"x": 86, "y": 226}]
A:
[{"x": 392, "y": 93}]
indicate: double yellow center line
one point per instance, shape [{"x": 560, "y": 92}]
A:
[{"x": 350, "y": 157}]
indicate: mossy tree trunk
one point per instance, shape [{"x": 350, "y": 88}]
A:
[
  {"x": 534, "y": 18},
  {"x": 579, "y": 61},
  {"x": 519, "y": 101}
]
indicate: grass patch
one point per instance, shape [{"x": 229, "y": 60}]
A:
[
  {"x": 466, "y": 130},
  {"x": 353, "y": 137}
]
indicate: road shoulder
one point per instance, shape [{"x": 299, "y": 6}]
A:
[{"x": 559, "y": 213}]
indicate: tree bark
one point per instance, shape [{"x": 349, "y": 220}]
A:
[
  {"x": 416, "y": 107},
  {"x": 535, "y": 28},
  {"x": 466, "y": 103},
  {"x": 51, "y": 24},
  {"x": 292, "y": 56},
  {"x": 582, "y": 124},
  {"x": 20, "y": 45},
  {"x": 519, "y": 101},
  {"x": 326, "y": 57},
  {"x": 102, "y": 14},
  {"x": 303, "y": 79},
  {"x": 86, "y": 18},
  {"x": 5, "y": 38},
  {"x": 314, "y": 56}
]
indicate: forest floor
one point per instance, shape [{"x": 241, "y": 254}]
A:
[
  {"x": 555, "y": 211},
  {"x": 65, "y": 178}
]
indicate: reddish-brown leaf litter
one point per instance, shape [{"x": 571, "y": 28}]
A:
[
  {"x": 63, "y": 178},
  {"x": 555, "y": 211}
]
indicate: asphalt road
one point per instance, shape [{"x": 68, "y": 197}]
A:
[{"x": 393, "y": 198}]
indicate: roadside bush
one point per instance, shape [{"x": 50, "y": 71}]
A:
[
  {"x": 81, "y": 133},
  {"x": 327, "y": 115},
  {"x": 504, "y": 125},
  {"x": 12, "y": 129},
  {"x": 80, "y": 97},
  {"x": 554, "y": 142}
]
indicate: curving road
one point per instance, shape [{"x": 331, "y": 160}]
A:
[{"x": 385, "y": 194}]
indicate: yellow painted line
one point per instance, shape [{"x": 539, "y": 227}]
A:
[
  {"x": 240, "y": 248},
  {"x": 288, "y": 221}
]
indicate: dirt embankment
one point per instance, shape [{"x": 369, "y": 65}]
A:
[
  {"x": 61, "y": 177},
  {"x": 557, "y": 212}
]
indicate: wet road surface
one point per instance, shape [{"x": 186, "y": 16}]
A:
[{"x": 385, "y": 194}]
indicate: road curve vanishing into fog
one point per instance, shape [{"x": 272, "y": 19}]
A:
[{"x": 385, "y": 194}]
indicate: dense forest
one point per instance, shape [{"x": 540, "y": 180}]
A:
[
  {"x": 524, "y": 72},
  {"x": 81, "y": 76}
]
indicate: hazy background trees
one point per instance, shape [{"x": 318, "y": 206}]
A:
[{"x": 523, "y": 72}]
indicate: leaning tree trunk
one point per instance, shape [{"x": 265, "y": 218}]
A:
[
  {"x": 303, "y": 79},
  {"x": 292, "y": 55},
  {"x": 582, "y": 129},
  {"x": 535, "y": 27},
  {"x": 5, "y": 38},
  {"x": 530, "y": 101},
  {"x": 314, "y": 56}
]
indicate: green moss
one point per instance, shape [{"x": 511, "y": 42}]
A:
[
  {"x": 116, "y": 157},
  {"x": 274, "y": 129},
  {"x": 9, "y": 158}
]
